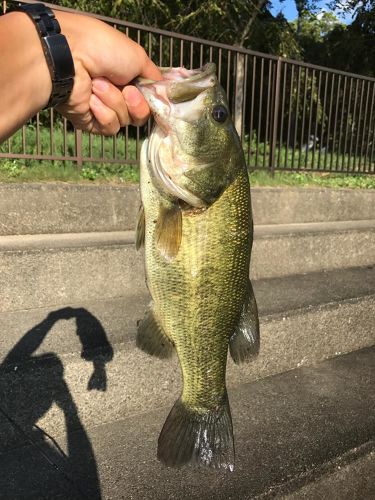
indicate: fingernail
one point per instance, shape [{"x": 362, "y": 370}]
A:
[
  {"x": 100, "y": 84},
  {"x": 132, "y": 96}
]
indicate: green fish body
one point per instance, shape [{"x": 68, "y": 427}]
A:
[{"x": 197, "y": 266}]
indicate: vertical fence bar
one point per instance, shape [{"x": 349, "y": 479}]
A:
[
  {"x": 160, "y": 50},
  {"x": 275, "y": 116},
  {"x": 181, "y": 52},
  {"x": 266, "y": 126},
  {"x": 309, "y": 145},
  {"x": 289, "y": 117},
  {"x": 65, "y": 145},
  {"x": 359, "y": 126},
  {"x": 341, "y": 123},
  {"x": 23, "y": 139},
  {"x": 347, "y": 126},
  {"x": 285, "y": 67},
  {"x": 228, "y": 70},
  {"x": 364, "y": 126},
  {"x": 171, "y": 52},
  {"x": 371, "y": 124},
  {"x": 78, "y": 139},
  {"x": 329, "y": 120},
  {"x": 244, "y": 89},
  {"x": 51, "y": 132},
  {"x": 323, "y": 119},
  {"x": 335, "y": 122},
  {"x": 259, "y": 110},
  {"x": 296, "y": 114},
  {"x": 239, "y": 99},
  {"x": 219, "y": 65},
  {"x": 251, "y": 127},
  {"x": 301, "y": 144},
  {"x": 191, "y": 64},
  {"x": 354, "y": 123},
  {"x": 316, "y": 139},
  {"x": 372, "y": 151},
  {"x": 37, "y": 134}
]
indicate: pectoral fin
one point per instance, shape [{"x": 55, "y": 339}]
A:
[
  {"x": 140, "y": 229},
  {"x": 151, "y": 337},
  {"x": 168, "y": 231},
  {"x": 244, "y": 343}
]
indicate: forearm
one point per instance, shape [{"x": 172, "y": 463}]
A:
[
  {"x": 105, "y": 61},
  {"x": 25, "y": 80}
]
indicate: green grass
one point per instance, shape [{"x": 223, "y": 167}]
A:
[
  {"x": 262, "y": 178},
  {"x": 44, "y": 171},
  {"x": 27, "y": 170}
]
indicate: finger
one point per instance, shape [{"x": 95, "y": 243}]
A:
[
  {"x": 112, "y": 97},
  {"x": 150, "y": 70},
  {"x": 107, "y": 122},
  {"x": 138, "y": 108}
]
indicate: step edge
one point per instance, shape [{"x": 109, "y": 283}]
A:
[{"x": 10, "y": 243}]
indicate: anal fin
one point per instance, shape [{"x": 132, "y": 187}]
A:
[
  {"x": 245, "y": 341},
  {"x": 151, "y": 337}
]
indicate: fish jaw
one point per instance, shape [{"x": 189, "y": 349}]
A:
[{"x": 192, "y": 154}]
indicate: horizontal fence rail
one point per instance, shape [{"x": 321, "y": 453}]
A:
[{"x": 291, "y": 115}]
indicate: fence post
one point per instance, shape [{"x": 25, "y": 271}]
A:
[
  {"x": 78, "y": 137},
  {"x": 275, "y": 118},
  {"x": 239, "y": 93}
]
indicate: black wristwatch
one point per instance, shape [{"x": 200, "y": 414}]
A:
[{"x": 56, "y": 50}]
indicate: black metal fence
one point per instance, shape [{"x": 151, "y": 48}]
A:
[{"x": 291, "y": 115}]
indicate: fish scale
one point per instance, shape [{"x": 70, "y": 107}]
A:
[{"x": 199, "y": 313}]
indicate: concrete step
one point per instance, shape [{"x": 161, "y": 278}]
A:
[
  {"x": 296, "y": 432},
  {"x": 62, "y": 208},
  {"x": 53, "y": 270},
  {"x": 304, "y": 319}
]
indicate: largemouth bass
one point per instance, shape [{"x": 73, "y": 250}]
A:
[{"x": 196, "y": 225}]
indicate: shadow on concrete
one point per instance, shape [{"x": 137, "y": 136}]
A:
[{"x": 31, "y": 385}]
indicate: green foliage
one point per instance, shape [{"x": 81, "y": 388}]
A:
[{"x": 44, "y": 171}]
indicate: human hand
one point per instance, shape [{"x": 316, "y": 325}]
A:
[{"x": 105, "y": 61}]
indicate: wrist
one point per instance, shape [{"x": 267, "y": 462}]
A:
[{"x": 28, "y": 61}]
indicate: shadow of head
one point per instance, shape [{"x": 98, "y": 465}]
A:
[
  {"x": 95, "y": 346},
  {"x": 93, "y": 338}
]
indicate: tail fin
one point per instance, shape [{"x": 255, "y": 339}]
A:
[{"x": 197, "y": 438}]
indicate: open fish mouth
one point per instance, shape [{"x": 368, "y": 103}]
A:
[
  {"x": 178, "y": 84},
  {"x": 178, "y": 97}
]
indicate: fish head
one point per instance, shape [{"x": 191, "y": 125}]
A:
[{"x": 194, "y": 151}]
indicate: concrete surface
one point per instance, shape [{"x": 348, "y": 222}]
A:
[
  {"x": 311, "y": 247},
  {"x": 32, "y": 208},
  {"x": 41, "y": 270},
  {"x": 291, "y": 431},
  {"x": 303, "y": 320},
  {"x": 351, "y": 481},
  {"x": 276, "y": 297},
  {"x": 62, "y": 208}
]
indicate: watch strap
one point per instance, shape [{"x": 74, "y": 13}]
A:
[{"x": 56, "y": 50}]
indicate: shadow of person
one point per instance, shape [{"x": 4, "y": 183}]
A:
[{"x": 32, "y": 463}]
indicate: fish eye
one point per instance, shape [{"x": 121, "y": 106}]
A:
[{"x": 219, "y": 113}]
